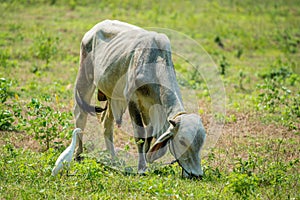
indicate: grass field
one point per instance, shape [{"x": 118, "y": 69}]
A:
[{"x": 256, "y": 47}]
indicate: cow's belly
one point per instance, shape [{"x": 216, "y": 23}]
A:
[{"x": 111, "y": 81}]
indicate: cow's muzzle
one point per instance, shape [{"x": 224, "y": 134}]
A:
[{"x": 186, "y": 174}]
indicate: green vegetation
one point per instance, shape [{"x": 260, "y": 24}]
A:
[{"x": 254, "y": 44}]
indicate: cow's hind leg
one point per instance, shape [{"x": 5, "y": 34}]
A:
[
  {"x": 81, "y": 115},
  {"x": 108, "y": 124},
  {"x": 139, "y": 135},
  {"x": 84, "y": 90}
]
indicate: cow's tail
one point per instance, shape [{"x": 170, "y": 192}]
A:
[{"x": 92, "y": 110}]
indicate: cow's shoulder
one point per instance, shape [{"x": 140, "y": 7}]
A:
[
  {"x": 149, "y": 39},
  {"x": 162, "y": 41},
  {"x": 157, "y": 40}
]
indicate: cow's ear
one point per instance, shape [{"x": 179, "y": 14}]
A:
[{"x": 159, "y": 148}]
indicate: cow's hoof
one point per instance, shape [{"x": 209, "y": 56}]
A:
[{"x": 142, "y": 171}]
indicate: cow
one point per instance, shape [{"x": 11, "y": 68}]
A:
[{"x": 132, "y": 68}]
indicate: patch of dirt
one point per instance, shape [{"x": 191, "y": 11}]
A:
[
  {"x": 19, "y": 140},
  {"x": 248, "y": 136}
]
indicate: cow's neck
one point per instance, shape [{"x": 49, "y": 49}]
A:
[{"x": 172, "y": 103}]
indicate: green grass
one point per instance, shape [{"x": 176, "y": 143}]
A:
[{"x": 256, "y": 157}]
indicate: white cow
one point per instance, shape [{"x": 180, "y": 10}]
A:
[{"x": 132, "y": 67}]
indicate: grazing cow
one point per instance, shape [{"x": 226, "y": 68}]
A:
[{"x": 132, "y": 67}]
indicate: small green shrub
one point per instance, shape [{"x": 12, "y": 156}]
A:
[
  {"x": 218, "y": 41},
  {"x": 72, "y": 4},
  {"x": 4, "y": 57},
  {"x": 5, "y": 90},
  {"x": 10, "y": 112},
  {"x": 45, "y": 47},
  {"x": 249, "y": 175},
  {"x": 212, "y": 173},
  {"x": 6, "y": 120},
  {"x": 276, "y": 97},
  {"x": 242, "y": 77},
  {"x": 166, "y": 170},
  {"x": 189, "y": 76},
  {"x": 239, "y": 53},
  {"x": 242, "y": 185},
  {"x": 45, "y": 123},
  {"x": 223, "y": 63},
  {"x": 288, "y": 41}
]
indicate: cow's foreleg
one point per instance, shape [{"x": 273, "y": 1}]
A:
[
  {"x": 149, "y": 138},
  {"x": 139, "y": 135},
  {"x": 108, "y": 124},
  {"x": 148, "y": 129}
]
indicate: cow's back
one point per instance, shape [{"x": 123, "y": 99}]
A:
[
  {"x": 118, "y": 58},
  {"x": 106, "y": 30}
]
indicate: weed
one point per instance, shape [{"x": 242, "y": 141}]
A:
[
  {"x": 242, "y": 184},
  {"x": 6, "y": 116},
  {"x": 6, "y": 120},
  {"x": 45, "y": 47},
  {"x": 166, "y": 170},
  {"x": 212, "y": 173},
  {"x": 289, "y": 42},
  {"x": 52, "y": 2},
  {"x": 220, "y": 118},
  {"x": 219, "y": 42},
  {"x": 189, "y": 76},
  {"x": 239, "y": 53},
  {"x": 45, "y": 123},
  {"x": 72, "y": 4},
  {"x": 242, "y": 77},
  {"x": 92, "y": 173},
  {"x": 276, "y": 97},
  {"x": 4, "y": 57},
  {"x": 223, "y": 63},
  {"x": 5, "y": 90},
  {"x": 230, "y": 119}
]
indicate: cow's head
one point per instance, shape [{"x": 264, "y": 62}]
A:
[{"x": 185, "y": 138}]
